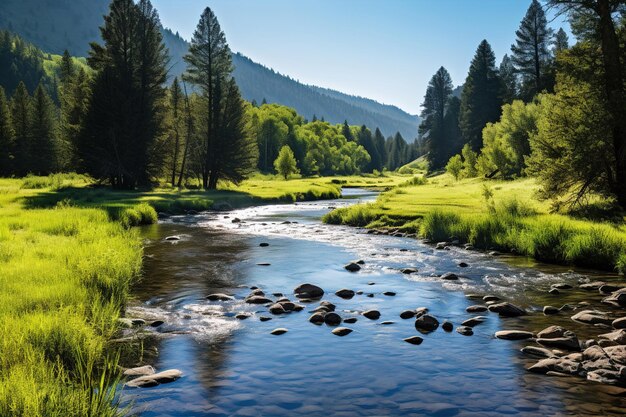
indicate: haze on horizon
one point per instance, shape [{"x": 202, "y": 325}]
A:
[{"x": 356, "y": 46}]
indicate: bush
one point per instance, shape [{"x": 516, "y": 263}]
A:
[{"x": 438, "y": 225}]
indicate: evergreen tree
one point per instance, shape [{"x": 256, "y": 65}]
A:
[
  {"x": 561, "y": 42},
  {"x": 67, "y": 69},
  {"x": 531, "y": 52},
  {"x": 508, "y": 76},
  {"x": 366, "y": 140},
  {"x": 209, "y": 67},
  {"x": 379, "y": 142},
  {"x": 480, "y": 100},
  {"x": 286, "y": 164},
  {"x": 43, "y": 134},
  {"x": 74, "y": 96},
  {"x": 176, "y": 131},
  {"x": 432, "y": 129},
  {"x": 6, "y": 136},
  {"x": 124, "y": 119},
  {"x": 451, "y": 129},
  {"x": 346, "y": 132},
  {"x": 21, "y": 116}
]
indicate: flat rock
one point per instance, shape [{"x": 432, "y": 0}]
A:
[
  {"x": 308, "y": 291},
  {"x": 341, "y": 331},
  {"x": 513, "y": 335},
  {"x": 264, "y": 318},
  {"x": 372, "y": 314},
  {"x": 507, "y": 310},
  {"x": 345, "y": 293},
  {"x": 551, "y": 332},
  {"x": 617, "y": 298},
  {"x": 476, "y": 309},
  {"x": 389, "y": 293},
  {"x": 146, "y": 381},
  {"x": 474, "y": 321},
  {"x": 350, "y": 320},
  {"x": 449, "y": 276},
  {"x": 243, "y": 316},
  {"x": 409, "y": 271},
  {"x": 258, "y": 299},
  {"x": 609, "y": 288},
  {"x": 386, "y": 323},
  {"x": 352, "y": 267},
  {"x": 462, "y": 265},
  {"x": 491, "y": 298},
  {"x": 592, "y": 286},
  {"x": 619, "y": 323},
  {"x": 426, "y": 323},
  {"x": 414, "y": 340},
  {"x": 561, "y": 286},
  {"x": 465, "y": 331},
  {"x": 567, "y": 342},
  {"x": 279, "y": 331},
  {"x": 537, "y": 351},
  {"x": 332, "y": 319},
  {"x": 220, "y": 297},
  {"x": 605, "y": 376},
  {"x": 556, "y": 365},
  {"x": 140, "y": 371},
  {"x": 617, "y": 336},
  {"x": 592, "y": 317}
]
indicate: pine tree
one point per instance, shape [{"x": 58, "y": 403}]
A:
[
  {"x": 561, "y": 42},
  {"x": 480, "y": 100},
  {"x": 531, "y": 53},
  {"x": 379, "y": 142},
  {"x": 209, "y": 67},
  {"x": 432, "y": 129},
  {"x": 346, "y": 132},
  {"x": 6, "y": 136},
  {"x": 508, "y": 76},
  {"x": 67, "y": 69},
  {"x": 366, "y": 140},
  {"x": 21, "y": 116},
  {"x": 43, "y": 132},
  {"x": 176, "y": 132},
  {"x": 124, "y": 118}
]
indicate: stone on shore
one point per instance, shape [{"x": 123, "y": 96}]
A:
[
  {"x": 537, "y": 351},
  {"x": 155, "y": 379},
  {"x": 562, "y": 365},
  {"x": 592, "y": 317},
  {"x": 514, "y": 335},
  {"x": 617, "y": 336}
]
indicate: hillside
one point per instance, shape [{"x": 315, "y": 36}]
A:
[{"x": 56, "y": 25}]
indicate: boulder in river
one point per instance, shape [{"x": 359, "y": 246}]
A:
[
  {"x": 426, "y": 323},
  {"x": 407, "y": 314},
  {"x": 513, "y": 335},
  {"x": 264, "y": 318},
  {"x": 420, "y": 311},
  {"x": 243, "y": 316},
  {"x": 220, "y": 297},
  {"x": 277, "y": 309},
  {"x": 463, "y": 265},
  {"x": 465, "y": 331},
  {"x": 592, "y": 317},
  {"x": 562, "y": 365},
  {"x": 155, "y": 379},
  {"x": 279, "y": 331},
  {"x": 507, "y": 310},
  {"x": 258, "y": 299},
  {"x": 609, "y": 288},
  {"x": 414, "y": 340},
  {"x": 474, "y": 321},
  {"x": 330, "y": 306},
  {"x": 317, "y": 318},
  {"x": 409, "y": 271},
  {"x": 342, "y": 331},
  {"x": 352, "y": 267},
  {"x": 592, "y": 286},
  {"x": 550, "y": 310},
  {"x": 372, "y": 314},
  {"x": 309, "y": 291},
  {"x": 449, "y": 276},
  {"x": 389, "y": 293},
  {"x": 476, "y": 309},
  {"x": 350, "y": 320},
  {"x": 345, "y": 293},
  {"x": 617, "y": 336},
  {"x": 447, "y": 326},
  {"x": 619, "y": 323},
  {"x": 490, "y": 297},
  {"x": 557, "y": 337},
  {"x": 332, "y": 319},
  {"x": 140, "y": 371},
  {"x": 617, "y": 298}
]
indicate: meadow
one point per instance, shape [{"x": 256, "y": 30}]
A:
[{"x": 496, "y": 215}]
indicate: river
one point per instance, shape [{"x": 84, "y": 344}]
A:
[{"x": 236, "y": 367}]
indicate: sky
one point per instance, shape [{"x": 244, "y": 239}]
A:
[{"x": 386, "y": 50}]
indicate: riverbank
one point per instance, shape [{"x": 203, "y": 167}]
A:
[{"x": 492, "y": 215}]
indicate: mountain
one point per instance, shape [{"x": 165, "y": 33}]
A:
[{"x": 56, "y": 25}]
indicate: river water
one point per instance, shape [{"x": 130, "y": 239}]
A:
[{"x": 237, "y": 368}]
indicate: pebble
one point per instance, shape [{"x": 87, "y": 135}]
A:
[
  {"x": 465, "y": 331},
  {"x": 414, "y": 340},
  {"x": 372, "y": 314},
  {"x": 345, "y": 293},
  {"x": 447, "y": 326},
  {"x": 342, "y": 331},
  {"x": 279, "y": 331}
]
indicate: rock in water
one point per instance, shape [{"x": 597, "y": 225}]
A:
[
  {"x": 592, "y": 317},
  {"x": 264, "y": 244},
  {"x": 219, "y": 297},
  {"x": 414, "y": 340},
  {"x": 537, "y": 351},
  {"x": 264, "y": 318},
  {"x": 556, "y": 365},
  {"x": 172, "y": 238},
  {"x": 449, "y": 276},
  {"x": 342, "y": 331},
  {"x": 507, "y": 310},
  {"x": 372, "y": 314},
  {"x": 277, "y": 309},
  {"x": 345, "y": 293},
  {"x": 619, "y": 323},
  {"x": 617, "y": 336},
  {"x": 465, "y": 331},
  {"x": 352, "y": 267},
  {"x": 476, "y": 309},
  {"x": 317, "y": 318},
  {"x": 513, "y": 335},
  {"x": 389, "y": 293},
  {"x": 350, "y": 320},
  {"x": 258, "y": 299},
  {"x": 426, "y": 323},
  {"x": 474, "y": 321},
  {"x": 407, "y": 314},
  {"x": 408, "y": 271},
  {"x": 309, "y": 291},
  {"x": 279, "y": 331},
  {"x": 549, "y": 310},
  {"x": 617, "y": 298},
  {"x": 140, "y": 371},
  {"x": 447, "y": 326},
  {"x": 332, "y": 319},
  {"x": 155, "y": 379}
]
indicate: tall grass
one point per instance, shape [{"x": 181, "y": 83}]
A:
[{"x": 65, "y": 274}]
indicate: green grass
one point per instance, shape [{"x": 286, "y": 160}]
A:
[
  {"x": 65, "y": 274},
  {"x": 510, "y": 219}
]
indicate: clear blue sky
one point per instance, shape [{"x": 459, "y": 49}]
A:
[{"x": 382, "y": 49}]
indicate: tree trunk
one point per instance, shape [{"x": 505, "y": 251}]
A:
[{"x": 614, "y": 86}]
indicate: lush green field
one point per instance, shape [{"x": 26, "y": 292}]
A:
[{"x": 495, "y": 215}]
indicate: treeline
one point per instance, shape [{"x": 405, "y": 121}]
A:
[
  {"x": 549, "y": 110},
  {"x": 118, "y": 121}
]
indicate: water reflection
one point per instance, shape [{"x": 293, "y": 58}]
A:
[{"x": 238, "y": 368}]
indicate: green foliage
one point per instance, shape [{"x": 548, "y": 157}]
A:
[
  {"x": 141, "y": 214},
  {"x": 20, "y": 62},
  {"x": 285, "y": 163},
  {"x": 6, "y": 136},
  {"x": 508, "y": 76},
  {"x": 21, "y": 114},
  {"x": 359, "y": 216},
  {"x": 469, "y": 162},
  {"x": 43, "y": 131},
  {"x": 455, "y": 166}
]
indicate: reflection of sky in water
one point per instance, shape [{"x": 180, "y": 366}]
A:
[{"x": 237, "y": 368}]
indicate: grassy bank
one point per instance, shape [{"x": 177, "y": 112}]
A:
[
  {"x": 64, "y": 277},
  {"x": 493, "y": 215}
]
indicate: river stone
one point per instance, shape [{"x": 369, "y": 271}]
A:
[
  {"x": 556, "y": 365},
  {"x": 279, "y": 331},
  {"x": 592, "y": 286},
  {"x": 287, "y": 305},
  {"x": 332, "y": 319},
  {"x": 618, "y": 298},
  {"x": 465, "y": 331},
  {"x": 617, "y": 336},
  {"x": 389, "y": 293},
  {"x": 256, "y": 291},
  {"x": 414, "y": 340},
  {"x": 155, "y": 379},
  {"x": 157, "y": 323},
  {"x": 491, "y": 298},
  {"x": 549, "y": 310},
  {"x": 236, "y": 220},
  {"x": 507, "y": 310},
  {"x": 447, "y": 326},
  {"x": 605, "y": 376},
  {"x": 476, "y": 309},
  {"x": 449, "y": 276},
  {"x": 537, "y": 351},
  {"x": 298, "y": 307},
  {"x": 330, "y": 306},
  {"x": 309, "y": 291},
  {"x": 609, "y": 288},
  {"x": 554, "y": 291},
  {"x": 420, "y": 311},
  {"x": 372, "y": 314},
  {"x": 474, "y": 296},
  {"x": 321, "y": 309},
  {"x": 173, "y": 238},
  {"x": 561, "y": 286},
  {"x": 441, "y": 245},
  {"x": 463, "y": 265},
  {"x": 474, "y": 321},
  {"x": 619, "y": 323},
  {"x": 408, "y": 271},
  {"x": 552, "y": 332},
  {"x": 426, "y": 323},
  {"x": 258, "y": 299},
  {"x": 220, "y": 297},
  {"x": 277, "y": 309},
  {"x": 140, "y": 371},
  {"x": 568, "y": 342},
  {"x": 513, "y": 335},
  {"x": 617, "y": 353},
  {"x": 352, "y": 267},
  {"x": 264, "y": 244},
  {"x": 341, "y": 331},
  {"x": 264, "y": 318},
  {"x": 370, "y": 295},
  {"x": 243, "y": 316},
  {"x": 350, "y": 320},
  {"x": 345, "y": 293},
  {"x": 592, "y": 317},
  {"x": 386, "y": 323},
  {"x": 407, "y": 314},
  {"x": 317, "y": 318}
]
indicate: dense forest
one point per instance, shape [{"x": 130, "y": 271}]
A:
[{"x": 78, "y": 21}]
